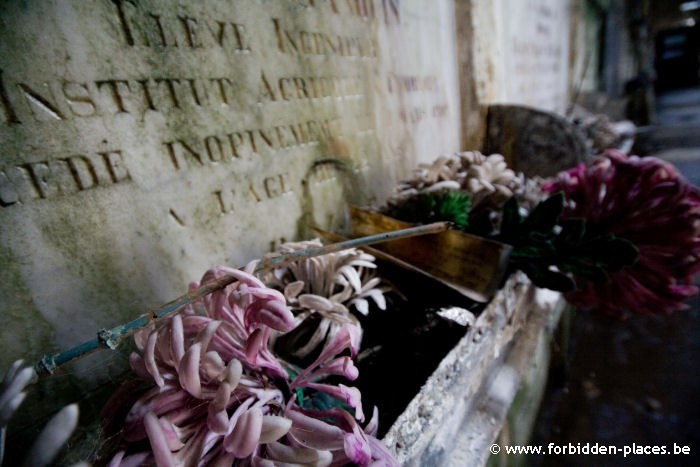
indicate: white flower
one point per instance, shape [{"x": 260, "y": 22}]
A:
[{"x": 327, "y": 286}]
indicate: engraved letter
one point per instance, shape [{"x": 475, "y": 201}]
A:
[
  {"x": 16, "y": 186},
  {"x": 8, "y": 194},
  {"x": 113, "y": 86},
  {"x": 265, "y": 88},
  {"x": 235, "y": 140},
  {"x": 219, "y": 82},
  {"x": 161, "y": 31},
  {"x": 83, "y": 172},
  {"x": 79, "y": 99},
  {"x": 218, "y": 35},
  {"x": 40, "y": 173},
  {"x": 241, "y": 46},
  {"x": 189, "y": 25},
  {"x": 128, "y": 36},
  {"x": 189, "y": 151},
  {"x": 391, "y": 7},
  {"x": 114, "y": 161},
  {"x": 10, "y": 114},
  {"x": 37, "y": 101},
  {"x": 214, "y": 148},
  {"x": 280, "y": 34},
  {"x": 171, "y": 89}
]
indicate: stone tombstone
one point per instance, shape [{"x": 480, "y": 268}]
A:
[
  {"x": 534, "y": 142},
  {"x": 522, "y": 46},
  {"x": 144, "y": 141}
]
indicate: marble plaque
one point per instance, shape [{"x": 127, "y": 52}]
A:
[
  {"x": 522, "y": 50},
  {"x": 144, "y": 141}
]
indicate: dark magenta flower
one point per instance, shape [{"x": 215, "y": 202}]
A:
[{"x": 646, "y": 201}]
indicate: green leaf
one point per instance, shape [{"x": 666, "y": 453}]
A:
[
  {"x": 534, "y": 250},
  {"x": 453, "y": 206},
  {"x": 572, "y": 231},
  {"x": 511, "y": 218},
  {"x": 446, "y": 205},
  {"x": 545, "y": 215},
  {"x": 584, "y": 268}
]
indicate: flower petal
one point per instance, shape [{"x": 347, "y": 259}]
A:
[
  {"x": 213, "y": 366},
  {"x": 298, "y": 455},
  {"x": 234, "y": 371},
  {"x": 314, "y": 433},
  {"x": 150, "y": 359},
  {"x": 293, "y": 289},
  {"x": 177, "y": 339},
  {"x": 159, "y": 444},
  {"x": 273, "y": 428},
  {"x": 244, "y": 438},
  {"x": 188, "y": 370}
]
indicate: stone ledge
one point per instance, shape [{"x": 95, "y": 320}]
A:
[{"x": 460, "y": 410}]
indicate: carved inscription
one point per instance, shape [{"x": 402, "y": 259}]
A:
[
  {"x": 389, "y": 10},
  {"x": 226, "y": 147},
  {"x": 415, "y": 85},
  {"x": 259, "y": 189},
  {"x": 409, "y": 83},
  {"x": 538, "y": 56},
  {"x": 296, "y": 41},
  {"x": 290, "y": 88},
  {"x": 52, "y": 99},
  {"x": 168, "y": 29},
  {"x": 67, "y": 100},
  {"x": 59, "y": 177}
]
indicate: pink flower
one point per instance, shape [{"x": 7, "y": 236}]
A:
[
  {"x": 219, "y": 396},
  {"x": 645, "y": 201}
]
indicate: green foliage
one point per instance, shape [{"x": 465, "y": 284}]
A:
[
  {"x": 551, "y": 251},
  {"x": 445, "y": 205}
]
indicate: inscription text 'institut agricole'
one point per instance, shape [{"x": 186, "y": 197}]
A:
[{"x": 48, "y": 100}]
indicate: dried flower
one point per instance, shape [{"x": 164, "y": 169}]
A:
[
  {"x": 645, "y": 201},
  {"x": 219, "y": 396},
  {"x": 327, "y": 286},
  {"x": 56, "y": 432},
  {"x": 487, "y": 179}
]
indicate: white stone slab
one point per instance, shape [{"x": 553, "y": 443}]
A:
[
  {"x": 143, "y": 142},
  {"x": 521, "y": 52}
]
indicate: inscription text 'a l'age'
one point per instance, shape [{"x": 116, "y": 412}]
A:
[{"x": 258, "y": 190}]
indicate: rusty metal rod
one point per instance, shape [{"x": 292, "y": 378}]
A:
[{"x": 110, "y": 338}]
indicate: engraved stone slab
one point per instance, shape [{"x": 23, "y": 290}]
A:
[
  {"x": 144, "y": 141},
  {"x": 522, "y": 48}
]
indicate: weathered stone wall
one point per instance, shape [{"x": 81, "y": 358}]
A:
[{"x": 144, "y": 141}]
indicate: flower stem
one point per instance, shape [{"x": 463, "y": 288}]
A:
[{"x": 110, "y": 338}]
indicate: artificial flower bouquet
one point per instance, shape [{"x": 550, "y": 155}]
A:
[{"x": 618, "y": 233}]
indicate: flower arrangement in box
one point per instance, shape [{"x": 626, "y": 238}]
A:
[{"x": 620, "y": 234}]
